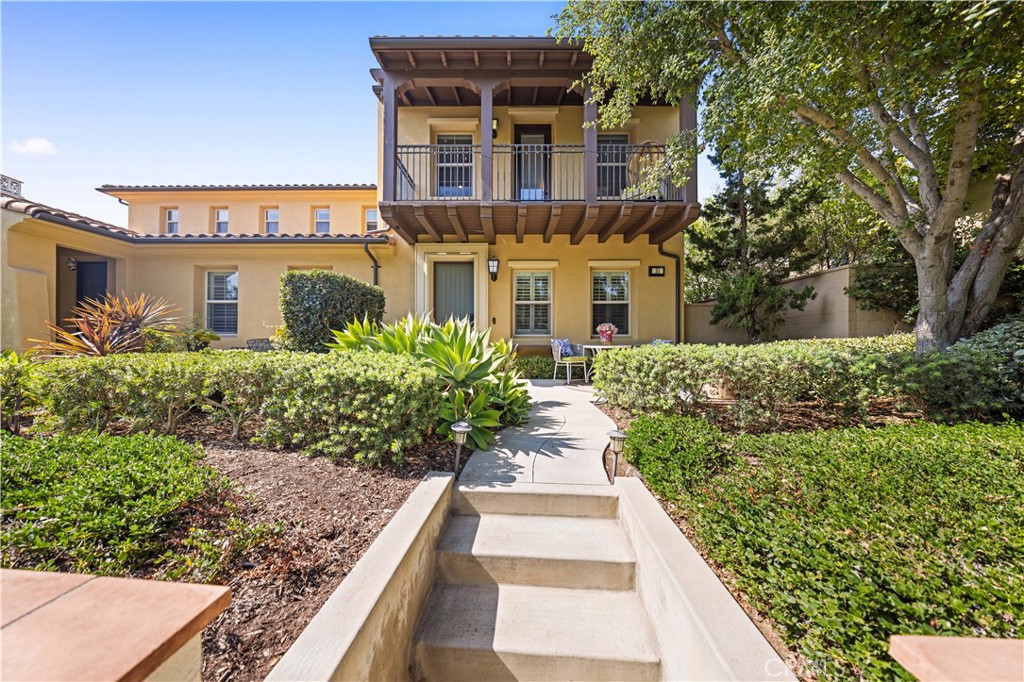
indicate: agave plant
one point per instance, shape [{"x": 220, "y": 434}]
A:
[
  {"x": 475, "y": 411},
  {"x": 460, "y": 354},
  {"x": 108, "y": 326}
]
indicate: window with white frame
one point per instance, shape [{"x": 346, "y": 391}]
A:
[
  {"x": 171, "y": 221},
  {"x": 222, "y": 302},
  {"x": 612, "y": 157},
  {"x": 271, "y": 220},
  {"x": 321, "y": 220},
  {"x": 610, "y": 300},
  {"x": 454, "y": 165},
  {"x": 370, "y": 220},
  {"x": 220, "y": 220},
  {"x": 532, "y": 294}
]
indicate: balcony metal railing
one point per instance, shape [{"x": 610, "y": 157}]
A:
[{"x": 533, "y": 172}]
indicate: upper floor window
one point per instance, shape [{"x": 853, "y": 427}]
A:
[
  {"x": 321, "y": 220},
  {"x": 612, "y": 164},
  {"x": 171, "y": 221},
  {"x": 220, "y": 220},
  {"x": 454, "y": 165},
  {"x": 271, "y": 221},
  {"x": 370, "y": 219},
  {"x": 610, "y": 300}
]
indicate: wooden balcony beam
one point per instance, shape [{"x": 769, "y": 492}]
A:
[
  {"x": 424, "y": 220},
  {"x": 585, "y": 225},
  {"x": 553, "y": 218},
  {"x": 662, "y": 234},
  {"x": 613, "y": 227},
  {"x": 520, "y": 224},
  {"x": 642, "y": 227},
  {"x": 391, "y": 218},
  {"x": 453, "y": 217},
  {"x": 487, "y": 221}
]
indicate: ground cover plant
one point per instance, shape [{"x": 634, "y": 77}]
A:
[
  {"x": 109, "y": 505},
  {"x": 847, "y": 536}
]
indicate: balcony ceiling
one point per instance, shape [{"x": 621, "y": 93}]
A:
[{"x": 471, "y": 221}]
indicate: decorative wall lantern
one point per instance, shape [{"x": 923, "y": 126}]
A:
[
  {"x": 494, "y": 128},
  {"x": 460, "y": 430},
  {"x": 72, "y": 264},
  {"x": 492, "y": 268},
  {"x": 617, "y": 440}
]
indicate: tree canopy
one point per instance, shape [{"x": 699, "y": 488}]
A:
[{"x": 908, "y": 105}]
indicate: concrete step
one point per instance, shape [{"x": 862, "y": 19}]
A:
[
  {"x": 541, "y": 499},
  {"x": 552, "y": 551},
  {"x": 519, "y": 632}
]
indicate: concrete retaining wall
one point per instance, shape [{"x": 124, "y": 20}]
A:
[
  {"x": 365, "y": 630},
  {"x": 702, "y": 632},
  {"x": 832, "y": 314}
]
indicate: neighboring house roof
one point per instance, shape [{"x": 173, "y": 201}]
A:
[
  {"x": 110, "y": 189},
  {"x": 86, "y": 224}
]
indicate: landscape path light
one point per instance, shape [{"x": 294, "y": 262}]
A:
[
  {"x": 460, "y": 430},
  {"x": 617, "y": 440}
]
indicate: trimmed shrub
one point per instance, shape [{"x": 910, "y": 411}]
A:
[
  {"x": 841, "y": 373},
  {"x": 96, "y": 504},
  {"x": 674, "y": 452},
  {"x": 313, "y": 302},
  {"x": 1006, "y": 344},
  {"x": 365, "y": 404},
  {"x": 360, "y": 403},
  {"x": 960, "y": 384},
  {"x": 846, "y": 537}
]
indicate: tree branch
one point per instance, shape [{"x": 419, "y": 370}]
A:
[
  {"x": 928, "y": 177},
  {"x": 965, "y": 137},
  {"x": 864, "y": 155},
  {"x": 870, "y": 197}
]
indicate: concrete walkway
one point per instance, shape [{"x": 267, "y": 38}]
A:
[{"x": 562, "y": 441}]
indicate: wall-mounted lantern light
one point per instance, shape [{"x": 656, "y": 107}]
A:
[
  {"x": 492, "y": 268},
  {"x": 460, "y": 430},
  {"x": 72, "y": 264},
  {"x": 617, "y": 440},
  {"x": 494, "y": 128}
]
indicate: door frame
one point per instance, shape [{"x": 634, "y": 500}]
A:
[
  {"x": 518, "y": 130},
  {"x": 423, "y": 285}
]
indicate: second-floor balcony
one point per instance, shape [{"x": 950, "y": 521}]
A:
[
  {"x": 533, "y": 173},
  {"x": 482, "y": 137}
]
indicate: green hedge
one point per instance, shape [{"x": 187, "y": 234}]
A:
[
  {"x": 840, "y": 374},
  {"x": 363, "y": 404},
  {"x": 849, "y": 536},
  {"x": 313, "y": 302},
  {"x": 94, "y": 503}
]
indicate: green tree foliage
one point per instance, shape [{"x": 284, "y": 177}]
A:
[
  {"x": 906, "y": 104},
  {"x": 313, "y": 302},
  {"x": 752, "y": 237}
]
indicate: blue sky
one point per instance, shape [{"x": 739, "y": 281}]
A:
[{"x": 198, "y": 92}]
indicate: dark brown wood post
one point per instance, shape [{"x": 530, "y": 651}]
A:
[
  {"x": 589, "y": 147},
  {"x": 688, "y": 122},
  {"x": 390, "y": 136},
  {"x": 486, "y": 140}
]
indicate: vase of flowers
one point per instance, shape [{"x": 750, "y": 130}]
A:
[{"x": 607, "y": 331}]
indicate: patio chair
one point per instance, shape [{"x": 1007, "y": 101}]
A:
[
  {"x": 259, "y": 345},
  {"x": 569, "y": 355}
]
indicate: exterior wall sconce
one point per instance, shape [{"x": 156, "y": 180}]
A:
[
  {"x": 459, "y": 431},
  {"x": 494, "y": 128},
  {"x": 492, "y": 268},
  {"x": 617, "y": 440},
  {"x": 72, "y": 264}
]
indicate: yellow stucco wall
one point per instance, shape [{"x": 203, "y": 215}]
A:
[{"x": 245, "y": 210}]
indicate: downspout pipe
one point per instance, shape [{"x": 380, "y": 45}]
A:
[
  {"x": 376, "y": 265},
  {"x": 678, "y": 276}
]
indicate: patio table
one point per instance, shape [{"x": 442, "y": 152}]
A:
[{"x": 595, "y": 348}]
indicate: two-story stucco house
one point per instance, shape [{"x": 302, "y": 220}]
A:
[{"x": 496, "y": 198}]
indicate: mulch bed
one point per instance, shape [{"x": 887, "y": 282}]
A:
[{"x": 327, "y": 514}]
